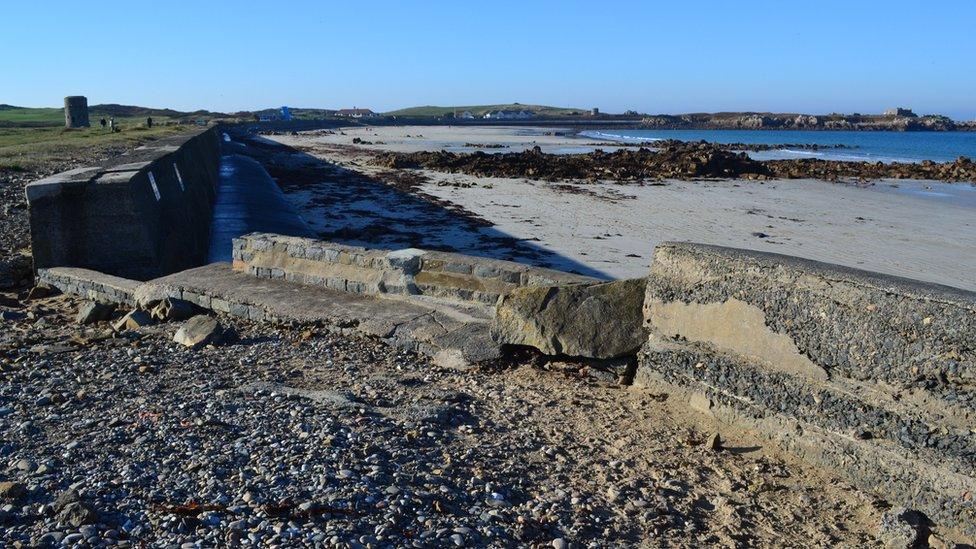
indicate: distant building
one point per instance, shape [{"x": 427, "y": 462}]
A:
[
  {"x": 268, "y": 117},
  {"x": 594, "y": 112},
  {"x": 509, "y": 115},
  {"x": 898, "y": 111},
  {"x": 466, "y": 115},
  {"x": 285, "y": 113},
  {"x": 355, "y": 113}
]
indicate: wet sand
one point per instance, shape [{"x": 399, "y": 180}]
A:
[{"x": 923, "y": 230}]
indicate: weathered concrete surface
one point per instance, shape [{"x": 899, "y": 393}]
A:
[
  {"x": 864, "y": 374},
  {"x": 454, "y": 334},
  {"x": 585, "y": 320},
  {"x": 850, "y": 323},
  {"x": 142, "y": 215},
  {"x": 411, "y": 271}
]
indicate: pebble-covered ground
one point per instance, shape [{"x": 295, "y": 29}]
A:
[{"x": 295, "y": 436}]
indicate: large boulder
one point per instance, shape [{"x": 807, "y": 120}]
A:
[
  {"x": 598, "y": 321},
  {"x": 200, "y": 331}
]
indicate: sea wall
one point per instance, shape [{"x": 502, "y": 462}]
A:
[
  {"x": 867, "y": 375},
  {"x": 407, "y": 272},
  {"x": 142, "y": 215}
]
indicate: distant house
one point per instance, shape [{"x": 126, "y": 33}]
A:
[
  {"x": 898, "y": 111},
  {"x": 466, "y": 115},
  {"x": 356, "y": 113},
  {"x": 268, "y": 117},
  {"x": 509, "y": 115}
]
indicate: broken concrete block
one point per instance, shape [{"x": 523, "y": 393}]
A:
[
  {"x": 133, "y": 321},
  {"x": 91, "y": 311},
  {"x": 173, "y": 309},
  {"x": 200, "y": 331},
  {"x": 586, "y": 320}
]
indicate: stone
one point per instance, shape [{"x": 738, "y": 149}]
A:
[
  {"x": 40, "y": 291},
  {"x": 585, "y": 320},
  {"x": 65, "y": 498},
  {"x": 11, "y": 316},
  {"x": 559, "y": 543},
  {"x": 903, "y": 528},
  {"x": 171, "y": 309},
  {"x": 714, "y": 442},
  {"x": 133, "y": 321},
  {"x": 78, "y": 514},
  {"x": 12, "y": 490},
  {"x": 92, "y": 311},
  {"x": 200, "y": 331}
]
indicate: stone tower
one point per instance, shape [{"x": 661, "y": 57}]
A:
[{"x": 76, "y": 111}]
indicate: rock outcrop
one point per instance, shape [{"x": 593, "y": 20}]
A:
[{"x": 673, "y": 160}]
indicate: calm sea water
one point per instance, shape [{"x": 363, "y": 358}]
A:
[{"x": 869, "y": 145}]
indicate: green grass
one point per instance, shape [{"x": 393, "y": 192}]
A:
[
  {"x": 54, "y": 116},
  {"x": 23, "y": 149},
  {"x": 22, "y": 115},
  {"x": 480, "y": 110}
]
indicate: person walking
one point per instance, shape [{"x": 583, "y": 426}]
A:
[
  {"x": 102, "y": 122},
  {"x": 148, "y": 121}
]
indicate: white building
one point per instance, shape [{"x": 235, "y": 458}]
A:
[{"x": 509, "y": 115}]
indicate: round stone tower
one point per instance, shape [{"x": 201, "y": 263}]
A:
[{"x": 76, "y": 111}]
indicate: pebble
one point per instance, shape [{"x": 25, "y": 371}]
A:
[{"x": 373, "y": 445}]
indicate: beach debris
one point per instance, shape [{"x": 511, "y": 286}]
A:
[
  {"x": 173, "y": 309},
  {"x": 133, "y": 321},
  {"x": 670, "y": 160}
]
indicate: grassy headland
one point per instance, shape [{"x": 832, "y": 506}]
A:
[{"x": 481, "y": 110}]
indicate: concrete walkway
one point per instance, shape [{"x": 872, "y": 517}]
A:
[
  {"x": 248, "y": 201},
  {"x": 454, "y": 334}
]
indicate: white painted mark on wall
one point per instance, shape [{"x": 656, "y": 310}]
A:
[
  {"x": 152, "y": 182},
  {"x": 178, "y": 176}
]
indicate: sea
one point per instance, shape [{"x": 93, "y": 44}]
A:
[{"x": 870, "y": 146}]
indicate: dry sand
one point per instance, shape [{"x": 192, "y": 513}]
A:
[{"x": 923, "y": 230}]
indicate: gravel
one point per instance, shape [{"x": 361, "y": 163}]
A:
[{"x": 294, "y": 436}]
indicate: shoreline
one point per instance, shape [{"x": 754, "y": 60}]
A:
[{"x": 905, "y": 228}]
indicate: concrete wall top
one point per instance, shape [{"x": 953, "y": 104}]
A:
[{"x": 408, "y": 271}]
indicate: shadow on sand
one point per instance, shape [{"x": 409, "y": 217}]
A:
[{"x": 390, "y": 211}]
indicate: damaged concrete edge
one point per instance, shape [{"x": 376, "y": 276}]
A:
[
  {"x": 408, "y": 271},
  {"x": 866, "y": 375},
  {"x": 452, "y": 339}
]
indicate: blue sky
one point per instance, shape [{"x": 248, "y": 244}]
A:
[{"x": 667, "y": 57}]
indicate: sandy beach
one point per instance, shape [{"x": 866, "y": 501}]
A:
[{"x": 916, "y": 229}]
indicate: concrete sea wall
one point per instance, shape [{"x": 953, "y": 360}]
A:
[
  {"x": 140, "y": 216},
  {"x": 870, "y": 376}
]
